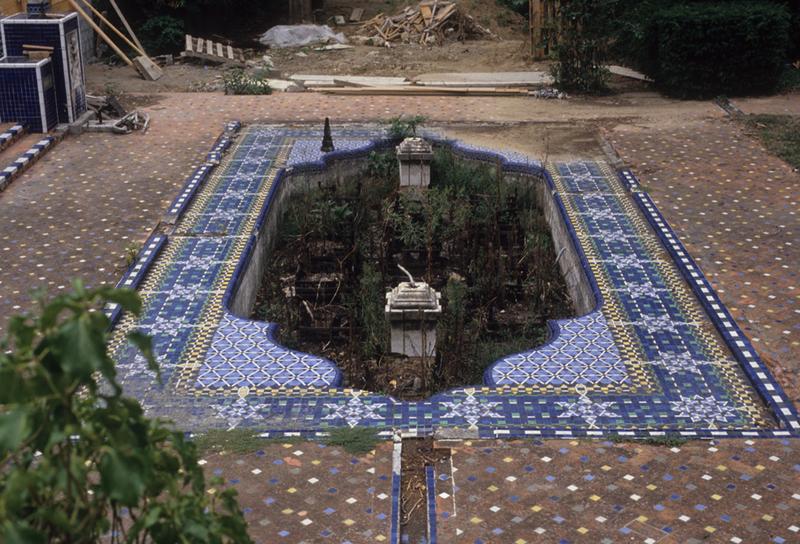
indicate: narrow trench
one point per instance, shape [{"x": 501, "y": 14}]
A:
[{"x": 418, "y": 454}]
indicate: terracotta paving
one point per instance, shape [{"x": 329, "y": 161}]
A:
[
  {"x": 737, "y": 209},
  {"x": 307, "y": 492},
  {"x": 575, "y": 492}
]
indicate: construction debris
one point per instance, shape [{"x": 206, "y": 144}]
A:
[
  {"x": 300, "y": 35},
  {"x": 135, "y": 120},
  {"x": 200, "y": 48},
  {"x": 105, "y": 106},
  {"x": 433, "y": 22}
]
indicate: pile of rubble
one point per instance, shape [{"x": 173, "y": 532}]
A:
[{"x": 433, "y": 22}]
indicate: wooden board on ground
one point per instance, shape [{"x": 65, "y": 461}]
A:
[
  {"x": 422, "y": 91},
  {"x": 362, "y": 81},
  {"x": 200, "y": 48},
  {"x": 357, "y": 14},
  {"x": 149, "y": 69}
]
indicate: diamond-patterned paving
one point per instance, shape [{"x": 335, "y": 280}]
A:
[
  {"x": 613, "y": 492},
  {"x": 609, "y": 370}
]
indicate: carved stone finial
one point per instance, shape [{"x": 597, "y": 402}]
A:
[
  {"x": 410, "y": 277},
  {"x": 327, "y": 138}
]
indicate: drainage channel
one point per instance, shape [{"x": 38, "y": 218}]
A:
[{"x": 421, "y": 461}]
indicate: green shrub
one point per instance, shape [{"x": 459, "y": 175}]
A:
[
  {"x": 703, "y": 50},
  {"x": 237, "y": 81},
  {"x": 162, "y": 34},
  {"x": 586, "y": 27},
  {"x": 79, "y": 460}
]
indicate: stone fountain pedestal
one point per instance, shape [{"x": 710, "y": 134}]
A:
[
  {"x": 413, "y": 309},
  {"x": 414, "y": 156}
]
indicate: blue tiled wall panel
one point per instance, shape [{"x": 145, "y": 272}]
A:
[
  {"x": 19, "y": 98},
  {"x": 18, "y": 33}
]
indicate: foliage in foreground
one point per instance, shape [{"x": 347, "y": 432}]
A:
[{"x": 80, "y": 462}]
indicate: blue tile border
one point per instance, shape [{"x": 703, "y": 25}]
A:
[
  {"x": 758, "y": 373},
  {"x": 12, "y": 171},
  {"x": 201, "y": 173},
  {"x": 137, "y": 271},
  {"x": 221, "y": 232},
  {"x": 430, "y": 488},
  {"x": 11, "y": 135},
  {"x": 397, "y": 453}
]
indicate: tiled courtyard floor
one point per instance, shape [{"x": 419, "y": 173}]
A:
[
  {"x": 737, "y": 209},
  {"x": 307, "y": 492},
  {"x": 76, "y": 211},
  {"x": 602, "y": 492}
]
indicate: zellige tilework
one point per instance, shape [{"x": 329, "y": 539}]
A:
[{"x": 647, "y": 360}]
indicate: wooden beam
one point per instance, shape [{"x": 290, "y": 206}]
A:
[
  {"x": 115, "y": 29},
  {"x": 127, "y": 26},
  {"x": 100, "y": 32}
]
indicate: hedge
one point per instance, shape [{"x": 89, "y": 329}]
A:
[{"x": 704, "y": 50}]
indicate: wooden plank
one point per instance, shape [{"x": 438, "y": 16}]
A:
[
  {"x": 219, "y": 50},
  {"x": 127, "y": 26},
  {"x": 200, "y": 45},
  {"x": 357, "y": 14},
  {"x": 146, "y": 66},
  {"x": 230, "y": 52},
  {"x": 209, "y": 47},
  {"x": 188, "y": 43}
]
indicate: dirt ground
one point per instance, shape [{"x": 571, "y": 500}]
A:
[{"x": 510, "y": 52}]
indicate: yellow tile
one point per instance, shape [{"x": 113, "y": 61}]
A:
[
  {"x": 508, "y": 459},
  {"x": 652, "y": 487},
  {"x": 492, "y": 488},
  {"x": 716, "y": 497},
  {"x": 642, "y": 519},
  {"x": 287, "y": 511},
  {"x": 594, "y": 498},
  {"x": 583, "y": 530},
  {"x": 476, "y": 520},
  {"x": 380, "y": 538},
  {"x": 291, "y": 490},
  {"x": 605, "y": 467},
  {"x": 520, "y": 541},
  {"x": 710, "y": 529},
  {"x": 760, "y": 467},
  {"x": 348, "y": 522},
  {"x": 722, "y": 468},
  {"x": 767, "y": 517},
  {"x": 536, "y": 508}
]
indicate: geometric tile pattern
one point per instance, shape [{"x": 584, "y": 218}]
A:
[
  {"x": 10, "y": 135},
  {"x": 25, "y": 160},
  {"x": 309, "y": 492},
  {"x": 648, "y": 360},
  {"x": 571, "y": 492}
]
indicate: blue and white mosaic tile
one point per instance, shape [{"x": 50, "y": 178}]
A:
[{"x": 658, "y": 354}]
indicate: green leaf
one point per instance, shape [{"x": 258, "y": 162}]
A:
[
  {"x": 14, "y": 427},
  {"x": 127, "y": 298},
  {"x": 121, "y": 478},
  {"x": 20, "y": 533},
  {"x": 80, "y": 348}
]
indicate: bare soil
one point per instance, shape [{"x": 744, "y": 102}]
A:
[{"x": 509, "y": 53}]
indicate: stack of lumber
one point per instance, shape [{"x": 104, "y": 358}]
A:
[{"x": 431, "y": 22}]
